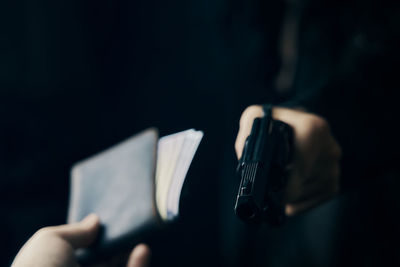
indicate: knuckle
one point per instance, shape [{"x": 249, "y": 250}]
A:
[
  {"x": 237, "y": 145},
  {"x": 319, "y": 124},
  {"x": 250, "y": 113},
  {"x": 237, "y": 149},
  {"x": 252, "y": 108},
  {"x": 336, "y": 175},
  {"x": 336, "y": 189},
  {"x": 45, "y": 231},
  {"x": 315, "y": 127},
  {"x": 337, "y": 151}
]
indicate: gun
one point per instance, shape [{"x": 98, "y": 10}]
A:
[{"x": 262, "y": 170}]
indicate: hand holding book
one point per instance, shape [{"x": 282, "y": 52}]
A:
[
  {"x": 55, "y": 247},
  {"x": 133, "y": 186}
]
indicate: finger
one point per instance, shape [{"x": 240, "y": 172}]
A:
[
  {"x": 332, "y": 149},
  {"x": 290, "y": 116},
  {"x": 80, "y": 234},
  {"x": 246, "y": 123},
  {"x": 325, "y": 175},
  {"x": 311, "y": 190},
  {"x": 296, "y": 208},
  {"x": 140, "y": 256}
]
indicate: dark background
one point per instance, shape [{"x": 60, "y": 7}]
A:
[{"x": 79, "y": 76}]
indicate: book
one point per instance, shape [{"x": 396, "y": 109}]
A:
[{"x": 134, "y": 187}]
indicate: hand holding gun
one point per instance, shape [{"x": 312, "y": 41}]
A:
[
  {"x": 262, "y": 170},
  {"x": 313, "y": 160}
]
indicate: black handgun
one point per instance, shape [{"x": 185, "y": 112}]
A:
[{"x": 263, "y": 170}]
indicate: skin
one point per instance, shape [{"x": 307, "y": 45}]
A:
[
  {"x": 55, "y": 246},
  {"x": 315, "y": 170}
]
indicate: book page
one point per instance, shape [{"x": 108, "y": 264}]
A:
[
  {"x": 190, "y": 145},
  {"x": 174, "y": 156}
]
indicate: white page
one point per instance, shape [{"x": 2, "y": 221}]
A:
[
  {"x": 190, "y": 145},
  {"x": 168, "y": 154}
]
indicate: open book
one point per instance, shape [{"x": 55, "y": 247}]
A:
[{"x": 134, "y": 187}]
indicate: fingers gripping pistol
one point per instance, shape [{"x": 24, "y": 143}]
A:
[{"x": 262, "y": 170}]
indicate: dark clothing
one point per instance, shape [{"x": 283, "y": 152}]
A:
[{"x": 79, "y": 76}]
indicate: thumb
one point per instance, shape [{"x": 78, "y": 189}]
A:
[
  {"x": 245, "y": 125},
  {"x": 80, "y": 234},
  {"x": 140, "y": 256}
]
